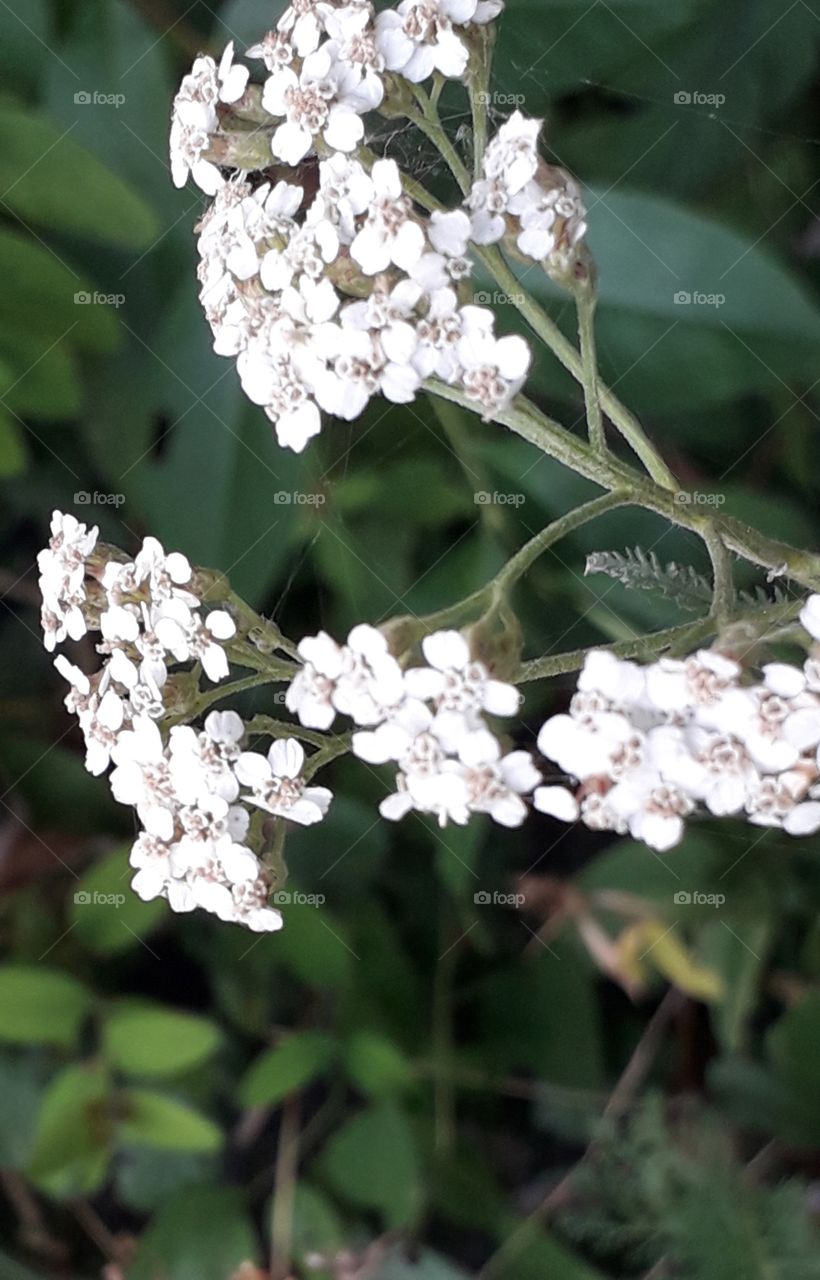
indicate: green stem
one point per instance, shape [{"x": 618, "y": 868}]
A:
[
  {"x": 549, "y": 333},
  {"x": 767, "y": 621},
  {"x": 212, "y": 696},
  {"x": 550, "y": 437},
  {"x": 428, "y": 121},
  {"x": 723, "y": 588},
  {"x": 330, "y": 746},
  {"x": 498, "y": 586},
  {"x": 585, "y": 301}
]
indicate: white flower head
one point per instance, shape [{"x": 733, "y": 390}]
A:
[{"x": 275, "y": 785}]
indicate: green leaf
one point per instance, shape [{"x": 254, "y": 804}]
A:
[
  {"x": 736, "y": 950},
  {"x": 792, "y": 1045},
  {"x": 376, "y": 1066},
  {"x": 107, "y": 916},
  {"x": 759, "y": 328},
  {"x": 427, "y": 1266},
  {"x": 201, "y": 1233},
  {"x": 289, "y": 1066},
  {"x": 145, "y": 1039},
  {"x": 147, "y": 1177},
  {"x": 12, "y": 450},
  {"x": 23, "y": 43},
  {"x": 40, "y": 1006},
  {"x": 563, "y": 1043},
  {"x": 317, "y": 1227},
  {"x": 313, "y": 946},
  {"x": 75, "y": 1133},
  {"x": 587, "y": 40},
  {"x": 373, "y": 1161},
  {"x": 45, "y": 297},
  {"x": 154, "y": 1120},
  {"x": 21, "y": 1091},
  {"x": 49, "y": 180},
  {"x": 45, "y": 383}
]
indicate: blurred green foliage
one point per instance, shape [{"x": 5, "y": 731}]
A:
[{"x": 443, "y": 1061}]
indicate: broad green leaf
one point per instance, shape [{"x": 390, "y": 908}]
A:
[
  {"x": 200, "y": 1233},
  {"x": 546, "y": 47},
  {"x": 21, "y": 1092},
  {"x": 317, "y": 1227},
  {"x": 12, "y": 449},
  {"x": 735, "y": 949},
  {"x": 154, "y": 1120},
  {"x": 289, "y": 1066},
  {"x": 52, "y": 182},
  {"x": 23, "y": 42},
  {"x": 52, "y": 780},
  {"x": 562, "y": 1044},
  {"x": 43, "y": 296},
  {"x": 75, "y": 1133},
  {"x": 44, "y": 383},
  {"x": 40, "y": 1006},
  {"x": 107, "y": 915},
  {"x": 792, "y": 1048},
  {"x": 373, "y": 1161},
  {"x": 426, "y": 1266},
  {"x": 376, "y": 1066},
  {"x": 150, "y": 1040},
  {"x": 313, "y": 945},
  {"x": 146, "y": 1176},
  {"x": 720, "y": 302}
]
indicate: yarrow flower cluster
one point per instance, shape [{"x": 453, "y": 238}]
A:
[
  {"x": 650, "y": 746},
  {"x": 193, "y": 791},
  {"x": 517, "y": 192},
  {"x": 335, "y": 287},
  {"x": 428, "y": 720},
  {"x": 642, "y": 748}
]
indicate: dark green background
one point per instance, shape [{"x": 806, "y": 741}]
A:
[{"x": 399, "y": 979}]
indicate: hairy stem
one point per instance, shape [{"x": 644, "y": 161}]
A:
[
  {"x": 585, "y": 306},
  {"x": 765, "y": 622}
]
